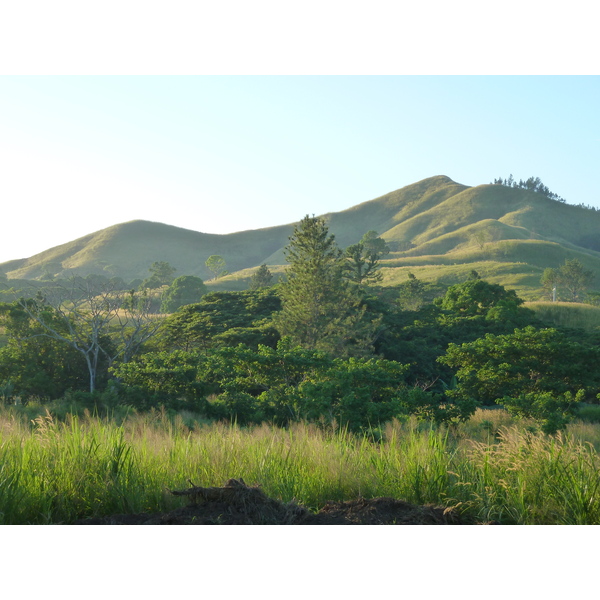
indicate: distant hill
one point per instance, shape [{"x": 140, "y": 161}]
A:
[{"x": 437, "y": 228}]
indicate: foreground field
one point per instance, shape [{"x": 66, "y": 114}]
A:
[{"x": 489, "y": 469}]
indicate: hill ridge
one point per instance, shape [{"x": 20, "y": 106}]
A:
[{"x": 436, "y": 220}]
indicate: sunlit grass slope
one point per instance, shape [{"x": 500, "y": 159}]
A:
[
  {"x": 436, "y": 227},
  {"x": 128, "y": 250},
  {"x": 567, "y": 314}
]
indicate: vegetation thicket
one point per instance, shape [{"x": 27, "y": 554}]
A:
[
  {"x": 319, "y": 346},
  {"x": 184, "y": 290}
]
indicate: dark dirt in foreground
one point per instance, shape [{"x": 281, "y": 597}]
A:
[{"x": 238, "y": 504}]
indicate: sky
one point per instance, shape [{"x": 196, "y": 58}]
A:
[{"x": 219, "y": 154}]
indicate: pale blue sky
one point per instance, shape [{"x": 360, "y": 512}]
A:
[{"x": 226, "y": 153}]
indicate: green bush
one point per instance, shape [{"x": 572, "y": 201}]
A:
[
  {"x": 552, "y": 411},
  {"x": 589, "y": 413}
]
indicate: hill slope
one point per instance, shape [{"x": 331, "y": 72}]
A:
[{"x": 436, "y": 228}]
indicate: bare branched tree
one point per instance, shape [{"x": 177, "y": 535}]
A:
[{"x": 94, "y": 319}]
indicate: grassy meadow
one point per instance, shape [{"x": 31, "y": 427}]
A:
[
  {"x": 567, "y": 314},
  {"x": 491, "y": 468}
]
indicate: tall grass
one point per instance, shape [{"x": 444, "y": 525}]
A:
[
  {"x": 55, "y": 471},
  {"x": 567, "y": 314}
]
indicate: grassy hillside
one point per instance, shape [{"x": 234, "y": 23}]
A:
[
  {"x": 436, "y": 228},
  {"x": 567, "y": 314},
  {"x": 128, "y": 249}
]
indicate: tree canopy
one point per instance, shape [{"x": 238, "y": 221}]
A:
[
  {"x": 186, "y": 289},
  {"x": 216, "y": 265},
  {"x": 161, "y": 273},
  {"x": 320, "y": 309}
]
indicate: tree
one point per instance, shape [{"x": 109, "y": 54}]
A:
[
  {"x": 533, "y": 184},
  {"x": 216, "y": 265},
  {"x": 223, "y": 319},
  {"x": 553, "y": 411},
  {"x": 527, "y": 361},
  {"x": 186, "y": 289},
  {"x": 549, "y": 281},
  {"x": 161, "y": 273},
  {"x": 411, "y": 293},
  {"x": 289, "y": 383},
  {"x": 262, "y": 278},
  {"x": 320, "y": 308},
  {"x": 34, "y": 364},
  {"x": 574, "y": 278},
  {"x": 482, "y": 237},
  {"x": 100, "y": 323},
  {"x": 477, "y": 297},
  {"x": 363, "y": 259}
]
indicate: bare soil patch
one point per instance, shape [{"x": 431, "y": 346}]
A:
[{"x": 239, "y": 504}]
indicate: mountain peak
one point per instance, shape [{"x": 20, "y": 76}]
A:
[{"x": 428, "y": 225}]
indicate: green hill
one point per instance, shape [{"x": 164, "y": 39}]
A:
[{"x": 436, "y": 228}]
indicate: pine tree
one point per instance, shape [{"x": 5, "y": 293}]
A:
[
  {"x": 262, "y": 278},
  {"x": 362, "y": 259},
  {"x": 320, "y": 308}
]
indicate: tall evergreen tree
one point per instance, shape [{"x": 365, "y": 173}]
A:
[
  {"x": 262, "y": 278},
  {"x": 320, "y": 308},
  {"x": 362, "y": 259}
]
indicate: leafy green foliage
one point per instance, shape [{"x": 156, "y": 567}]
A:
[
  {"x": 166, "y": 376},
  {"x": 421, "y": 335},
  {"x": 223, "y": 318},
  {"x": 35, "y": 364},
  {"x": 576, "y": 279},
  {"x": 550, "y": 281},
  {"x": 571, "y": 277},
  {"x": 216, "y": 265},
  {"x": 186, "y": 289},
  {"x": 161, "y": 273},
  {"x": 478, "y": 297},
  {"x": 553, "y": 411},
  {"x": 411, "y": 293},
  {"x": 99, "y": 323},
  {"x": 528, "y": 361},
  {"x": 290, "y": 383}
]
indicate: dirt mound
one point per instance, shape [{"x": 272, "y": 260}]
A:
[
  {"x": 239, "y": 504},
  {"x": 384, "y": 511}
]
